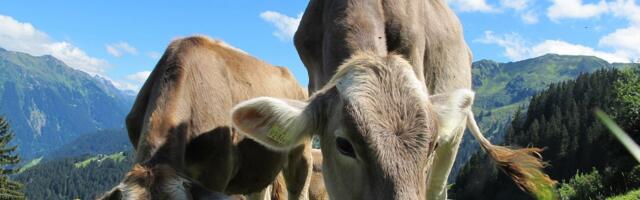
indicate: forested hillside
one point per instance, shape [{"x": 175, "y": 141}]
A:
[
  {"x": 83, "y": 177},
  {"x": 560, "y": 119},
  {"x": 96, "y": 161},
  {"x": 502, "y": 88}
]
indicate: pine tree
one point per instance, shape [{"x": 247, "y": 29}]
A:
[
  {"x": 534, "y": 130},
  {"x": 8, "y": 189}
]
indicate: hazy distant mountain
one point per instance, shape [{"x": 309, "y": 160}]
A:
[
  {"x": 49, "y": 104},
  {"x": 502, "y": 87}
]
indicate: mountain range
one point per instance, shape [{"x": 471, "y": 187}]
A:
[{"x": 49, "y": 104}]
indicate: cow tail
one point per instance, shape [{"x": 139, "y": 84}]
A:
[{"x": 524, "y": 166}]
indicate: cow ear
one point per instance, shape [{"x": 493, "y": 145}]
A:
[
  {"x": 276, "y": 123},
  {"x": 451, "y": 109}
]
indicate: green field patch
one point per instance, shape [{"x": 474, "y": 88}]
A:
[
  {"x": 30, "y": 164},
  {"x": 118, "y": 157}
]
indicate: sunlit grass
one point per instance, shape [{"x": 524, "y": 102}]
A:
[
  {"x": 30, "y": 164},
  {"x": 118, "y": 157},
  {"x": 624, "y": 138},
  {"x": 632, "y": 195}
]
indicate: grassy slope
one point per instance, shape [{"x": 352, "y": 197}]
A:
[
  {"x": 117, "y": 157},
  {"x": 30, "y": 164}
]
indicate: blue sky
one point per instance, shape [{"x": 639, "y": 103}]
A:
[{"x": 122, "y": 40}]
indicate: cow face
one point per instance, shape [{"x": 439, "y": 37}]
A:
[
  {"x": 377, "y": 125},
  {"x": 159, "y": 182}
]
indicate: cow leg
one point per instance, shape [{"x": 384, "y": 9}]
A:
[
  {"x": 265, "y": 194},
  {"x": 297, "y": 172},
  {"x": 279, "y": 188},
  {"x": 442, "y": 164}
]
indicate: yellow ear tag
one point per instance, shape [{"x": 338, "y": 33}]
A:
[{"x": 278, "y": 134}]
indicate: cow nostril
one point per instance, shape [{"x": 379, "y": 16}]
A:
[{"x": 345, "y": 147}]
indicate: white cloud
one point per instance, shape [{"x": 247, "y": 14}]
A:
[
  {"x": 154, "y": 54},
  {"x": 575, "y": 9},
  {"x": 132, "y": 82},
  {"x": 516, "y": 48},
  {"x": 23, "y": 37},
  {"x": 121, "y": 48},
  {"x": 514, "y": 45},
  {"x": 515, "y": 4},
  {"x": 123, "y": 85},
  {"x": 139, "y": 77},
  {"x": 565, "y": 48},
  {"x": 529, "y": 17},
  {"x": 286, "y": 25},
  {"x": 626, "y": 9},
  {"x": 624, "y": 41},
  {"x": 567, "y": 9},
  {"x": 521, "y": 7},
  {"x": 471, "y": 5}
]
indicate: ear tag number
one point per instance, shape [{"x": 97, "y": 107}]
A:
[{"x": 278, "y": 134}]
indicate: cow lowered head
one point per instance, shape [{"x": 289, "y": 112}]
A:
[
  {"x": 162, "y": 176},
  {"x": 159, "y": 182},
  {"x": 377, "y": 125}
]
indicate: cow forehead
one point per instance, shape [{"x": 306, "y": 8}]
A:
[
  {"x": 383, "y": 98},
  {"x": 367, "y": 74},
  {"x": 383, "y": 125}
]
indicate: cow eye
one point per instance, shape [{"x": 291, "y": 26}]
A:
[{"x": 345, "y": 147}]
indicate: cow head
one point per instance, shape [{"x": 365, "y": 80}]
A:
[
  {"x": 377, "y": 126},
  {"x": 158, "y": 182}
]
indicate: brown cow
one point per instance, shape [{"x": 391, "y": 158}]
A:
[
  {"x": 391, "y": 82},
  {"x": 181, "y": 128},
  {"x": 317, "y": 190}
]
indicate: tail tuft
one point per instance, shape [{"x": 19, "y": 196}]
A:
[{"x": 525, "y": 166}]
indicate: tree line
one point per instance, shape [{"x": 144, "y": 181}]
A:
[{"x": 583, "y": 156}]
